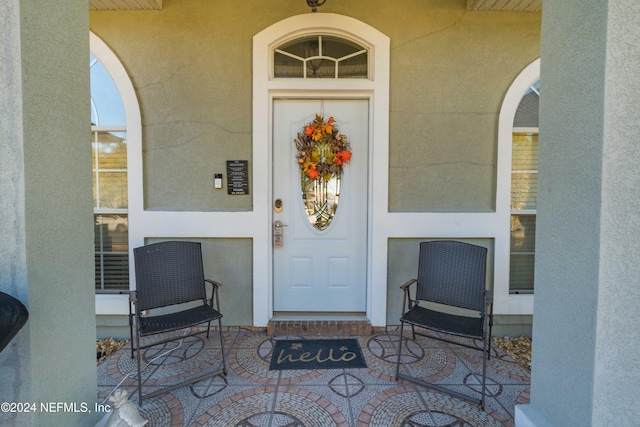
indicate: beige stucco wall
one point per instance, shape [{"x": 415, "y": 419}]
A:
[
  {"x": 450, "y": 70},
  {"x": 191, "y": 66}
]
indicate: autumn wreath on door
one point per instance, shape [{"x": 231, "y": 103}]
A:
[{"x": 322, "y": 153}]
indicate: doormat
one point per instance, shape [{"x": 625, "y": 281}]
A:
[{"x": 317, "y": 354}]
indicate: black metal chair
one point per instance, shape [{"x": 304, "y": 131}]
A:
[
  {"x": 171, "y": 274},
  {"x": 450, "y": 274}
]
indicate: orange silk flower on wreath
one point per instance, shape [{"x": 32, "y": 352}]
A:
[
  {"x": 343, "y": 157},
  {"x": 322, "y": 150}
]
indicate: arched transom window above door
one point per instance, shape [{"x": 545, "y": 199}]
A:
[{"x": 321, "y": 56}]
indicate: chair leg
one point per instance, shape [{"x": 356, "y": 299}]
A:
[
  {"x": 209, "y": 328},
  {"x": 131, "y": 333},
  {"x": 400, "y": 349},
  {"x": 139, "y": 368},
  {"x": 438, "y": 387},
  {"x": 485, "y": 357},
  {"x": 490, "y": 337},
  {"x": 224, "y": 363}
]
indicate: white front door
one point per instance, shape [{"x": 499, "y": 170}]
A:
[{"x": 320, "y": 270}]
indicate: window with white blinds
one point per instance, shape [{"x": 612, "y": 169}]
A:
[
  {"x": 524, "y": 172},
  {"x": 110, "y": 194},
  {"x": 524, "y": 192}
]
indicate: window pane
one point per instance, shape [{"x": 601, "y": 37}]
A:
[
  {"x": 285, "y": 66},
  {"x": 95, "y": 189},
  {"x": 304, "y": 47},
  {"x": 525, "y": 152},
  {"x": 523, "y": 245},
  {"x": 112, "y": 233},
  {"x": 112, "y": 252},
  {"x": 109, "y": 170},
  {"x": 321, "y": 69},
  {"x": 111, "y": 150},
  {"x": 524, "y": 166},
  {"x": 108, "y": 109},
  {"x": 116, "y": 271},
  {"x": 338, "y": 48},
  {"x": 524, "y": 190},
  {"x": 319, "y": 56},
  {"x": 523, "y": 233},
  {"x": 113, "y": 190},
  {"x": 320, "y": 199},
  {"x": 521, "y": 274},
  {"x": 354, "y": 68},
  {"x": 527, "y": 112}
]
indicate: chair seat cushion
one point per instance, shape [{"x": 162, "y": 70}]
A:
[
  {"x": 182, "y": 319},
  {"x": 444, "y": 322}
]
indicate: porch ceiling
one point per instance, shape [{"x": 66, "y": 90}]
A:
[
  {"x": 505, "y": 5},
  {"x": 125, "y": 4},
  {"x": 480, "y": 5}
]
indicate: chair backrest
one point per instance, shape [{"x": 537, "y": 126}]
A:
[
  {"x": 452, "y": 273},
  {"x": 168, "y": 273}
]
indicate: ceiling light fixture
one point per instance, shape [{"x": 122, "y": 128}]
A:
[{"x": 314, "y": 4}]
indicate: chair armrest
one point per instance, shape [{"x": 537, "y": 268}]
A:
[
  {"x": 488, "y": 303},
  {"x": 409, "y": 283},
  {"x": 214, "y": 294},
  {"x": 133, "y": 298},
  {"x": 214, "y": 283},
  {"x": 488, "y": 296},
  {"x": 406, "y": 299}
]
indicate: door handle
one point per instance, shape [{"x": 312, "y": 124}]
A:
[{"x": 278, "y": 233}]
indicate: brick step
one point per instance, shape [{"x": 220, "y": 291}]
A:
[{"x": 342, "y": 328}]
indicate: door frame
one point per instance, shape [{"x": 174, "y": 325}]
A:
[
  {"x": 265, "y": 90},
  {"x": 320, "y": 96}
]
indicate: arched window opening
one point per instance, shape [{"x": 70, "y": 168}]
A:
[
  {"x": 319, "y": 56},
  {"x": 110, "y": 182},
  {"x": 524, "y": 192}
]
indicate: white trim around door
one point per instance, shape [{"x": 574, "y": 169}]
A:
[{"x": 376, "y": 90}]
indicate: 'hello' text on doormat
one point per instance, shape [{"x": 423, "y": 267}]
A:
[{"x": 317, "y": 354}]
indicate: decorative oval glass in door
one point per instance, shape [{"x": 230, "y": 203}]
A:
[{"x": 322, "y": 153}]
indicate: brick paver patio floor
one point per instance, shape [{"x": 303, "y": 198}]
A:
[{"x": 252, "y": 395}]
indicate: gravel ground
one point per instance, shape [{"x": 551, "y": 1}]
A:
[
  {"x": 106, "y": 347},
  {"x": 518, "y": 348}
]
